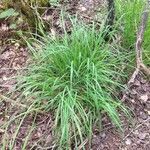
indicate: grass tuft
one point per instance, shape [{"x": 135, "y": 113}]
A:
[{"x": 76, "y": 77}]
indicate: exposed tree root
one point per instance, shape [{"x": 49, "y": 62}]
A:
[{"x": 140, "y": 66}]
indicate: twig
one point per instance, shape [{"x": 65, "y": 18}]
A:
[{"x": 82, "y": 144}]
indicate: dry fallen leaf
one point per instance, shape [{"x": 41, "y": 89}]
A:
[
  {"x": 1, "y": 130},
  {"x": 128, "y": 141},
  {"x": 144, "y": 98},
  {"x": 148, "y": 113}
]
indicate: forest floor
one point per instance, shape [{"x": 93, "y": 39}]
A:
[{"x": 136, "y": 136}]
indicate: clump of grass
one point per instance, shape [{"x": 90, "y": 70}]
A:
[{"x": 76, "y": 77}]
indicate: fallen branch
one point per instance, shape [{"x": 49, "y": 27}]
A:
[{"x": 140, "y": 66}]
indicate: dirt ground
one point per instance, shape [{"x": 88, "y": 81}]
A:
[
  {"x": 136, "y": 136},
  {"x": 137, "y": 132}
]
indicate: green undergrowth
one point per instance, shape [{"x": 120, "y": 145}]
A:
[
  {"x": 130, "y": 12},
  {"x": 77, "y": 78}
]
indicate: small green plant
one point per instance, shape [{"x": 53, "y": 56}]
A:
[{"x": 76, "y": 78}]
